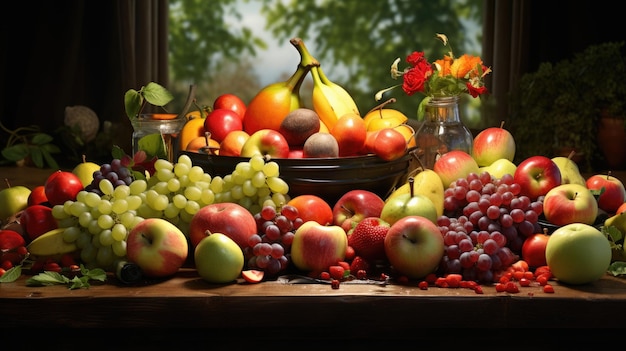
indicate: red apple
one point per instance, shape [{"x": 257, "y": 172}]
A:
[
  {"x": 613, "y": 195},
  {"x": 232, "y": 144},
  {"x": 350, "y": 132},
  {"x": 266, "y": 142},
  {"x": 493, "y": 144},
  {"x": 537, "y": 175},
  {"x": 414, "y": 246},
  {"x": 228, "y": 218},
  {"x": 313, "y": 208},
  {"x": 157, "y": 246},
  {"x": 534, "y": 250},
  {"x": 354, "y": 206},
  {"x": 389, "y": 144},
  {"x": 37, "y": 196},
  {"x": 62, "y": 186},
  {"x": 570, "y": 203},
  {"x": 315, "y": 247},
  {"x": 453, "y": 165},
  {"x": 220, "y": 122},
  {"x": 230, "y": 102},
  {"x": 368, "y": 238},
  {"x": 36, "y": 220},
  {"x": 296, "y": 152}
]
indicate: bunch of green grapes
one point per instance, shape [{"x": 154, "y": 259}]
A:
[{"x": 99, "y": 222}]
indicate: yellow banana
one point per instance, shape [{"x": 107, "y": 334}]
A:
[
  {"x": 50, "y": 244},
  {"x": 330, "y": 100}
]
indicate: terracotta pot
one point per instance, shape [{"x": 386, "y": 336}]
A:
[{"x": 611, "y": 136}]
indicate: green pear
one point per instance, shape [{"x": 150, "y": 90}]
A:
[
  {"x": 499, "y": 168},
  {"x": 570, "y": 174},
  {"x": 426, "y": 183},
  {"x": 12, "y": 200},
  {"x": 408, "y": 204}
]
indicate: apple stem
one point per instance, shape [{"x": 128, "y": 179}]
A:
[
  {"x": 571, "y": 154},
  {"x": 411, "y": 181},
  {"x": 6, "y": 180},
  {"x": 348, "y": 210},
  {"x": 501, "y": 124},
  {"x": 84, "y": 158},
  {"x": 608, "y": 175},
  {"x": 545, "y": 231},
  {"x": 380, "y": 106}
]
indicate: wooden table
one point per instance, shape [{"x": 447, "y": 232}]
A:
[{"x": 307, "y": 312}]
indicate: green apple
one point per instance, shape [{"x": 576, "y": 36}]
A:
[
  {"x": 218, "y": 258},
  {"x": 427, "y": 183},
  {"x": 499, "y": 168},
  {"x": 570, "y": 174},
  {"x": 84, "y": 171},
  {"x": 578, "y": 253},
  {"x": 410, "y": 204},
  {"x": 12, "y": 200}
]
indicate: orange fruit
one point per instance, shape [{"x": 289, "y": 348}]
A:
[{"x": 164, "y": 116}]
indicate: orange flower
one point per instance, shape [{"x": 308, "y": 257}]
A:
[{"x": 464, "y": 65}]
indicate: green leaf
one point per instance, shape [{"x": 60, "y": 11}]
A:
[
  {"x": 51, "y": 148},
  {"x": 15, "y": 152},
  {"x": 95, "y": 274},
  {"x": 47, "y": 278},
  {"x": 36, "y": 156},
  {"x": 117, "y": 152},
  {"x": 153, "y": 145},
  {"x": 156, "y": 94},
  {"x": 49, "y": 159},
  {"x": 41, "y": 139},
  {"x": 11, "y": 275},
  {"x": 617, "y": 268},
  {"x": 132, "y": 103}
]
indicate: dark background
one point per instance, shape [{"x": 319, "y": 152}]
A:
[{"x": 38, "y": 77}]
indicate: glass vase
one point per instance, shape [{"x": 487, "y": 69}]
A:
[
  {"x": 147, "y": 132},
  {"x": 441, "y": 131}
]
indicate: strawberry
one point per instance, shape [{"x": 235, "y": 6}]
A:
[
  {"x": 336, "y": 272},
  {"x": 368, "y": 238},
  {"x": 359, "y": 263}
]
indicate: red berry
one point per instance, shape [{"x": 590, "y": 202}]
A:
[
  {"x": 524, "y": 282},
  {"x": 336, "y": 272},
  {"x": 334, "y": 284},
  {"x": 361, "y": 274},
  {"x": 22, "y": 250},
  {"x": 359, "y": 263},
  {"x": 431, "y": 278},
  {"x": 2, "y": 271},
  {"x": 501, "y": 287},
  {"x": 423, "y": 285},
  {"x": 548, "y": 289},
  {"x": 344, "y": 264},
  {"x": 6, "y": 265},
  {"x": 478, "y": 289},
  {"x": 325, "y": 276},
  {"x": 454, "y": 280},
  {"x": 511, "y": 287}
]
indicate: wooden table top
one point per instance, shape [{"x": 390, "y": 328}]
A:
[{"x": 294, "y": 307}]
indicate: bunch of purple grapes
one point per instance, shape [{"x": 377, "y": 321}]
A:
[
  {"x": 269, "y": 249},
  {"x": 484, "y": 225},
  {"x": 114, "y": 172}
]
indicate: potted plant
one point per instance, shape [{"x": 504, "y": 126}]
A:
[{"x": 557, "y": 108}]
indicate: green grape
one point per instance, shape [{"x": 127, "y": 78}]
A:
[
  {"x": 119, "y": 232},
  {"x": 70, "y": 234},
  {"x": 119, "y": 248},
  {"x": 217, "y": 184},
  {"x": 151, "y": 196},
  {"x": 106, "y": 187},
  {"x": 179, "y": 200},
  {"x": 271, "y": 169},
  {"x": 193, "y": 193},
  {"x": 84, "y": 219},
  {"x": 277, "y": 185},
  {"x": 106, "y": 237},
  {"x": 206, "y": 178},
  {"x": 127, "y": 219},
  {"x": 258, "y": 179},
  {"x": 163, "y": 164},
  {"x": 171, "y": 211},
  {"x": 67, "y": 222},
  {"x": 138, "y": 186},
  {"x": 200, "y": 184},
  {"x": 236, "y": 192},
  {"x": 121, "y": 191},
  {"x": 280, "y": 199},
  {"x": 88, "y": 253},
  {"x": 104, "y": 257},
  {"x": 95, "y": 240},
  {"x": 161, "y": 188},
  {"x": 237, "y": 177},
  {"x": 246, "y": 202},
  {"x": 196, "y": 173},
  {"x": 257, "y": 162},
  {"x": 80, "y": 196},
  {"x": 58, "y": 212},
  {"x": 160, "y": 203},
  {"x": 248, "y": 188},
  {"x": 165, "y": 174},
  {"x": 254, "y": 208},
  {"x": 173, "y": 185},
  {"x": 133, "y": 201},
  {"x": 207, "y": 197},
  {"x": 269, "y": 202},
  {"x": 146, "y": 211},
  {"x": 83, "y": 239},
  {"x": 264, "y": 192},
  {"x": 105, "y": 221},
  {"x": 67, "y": 205},
  {"x": 184, "y": 159},
  {"x": 93, "y": 227},
  {"x": 119, "y": 206},
  {"x": 105, "y": 206},
  {"x": 192, "y": 207},
  {"x": 181, "y": 169},
  {"x": 92, "y": 199},
  {"x": 137, "y": 220},
  {"x": 185, "y": 216},
  {"x": 184, "y": 181},
  {"x": 174, "y": 220}
]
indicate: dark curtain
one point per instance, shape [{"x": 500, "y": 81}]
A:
[{"x": 65, "y": 53}]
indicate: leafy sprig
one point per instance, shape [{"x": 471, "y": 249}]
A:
[
  {"x": 80, "y": 281},
  {"x": 152, "y": 93}
]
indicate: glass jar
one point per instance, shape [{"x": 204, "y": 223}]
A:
[
  {"x": 441, "y": 131},
  {"x": 149, "y": 131}
]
